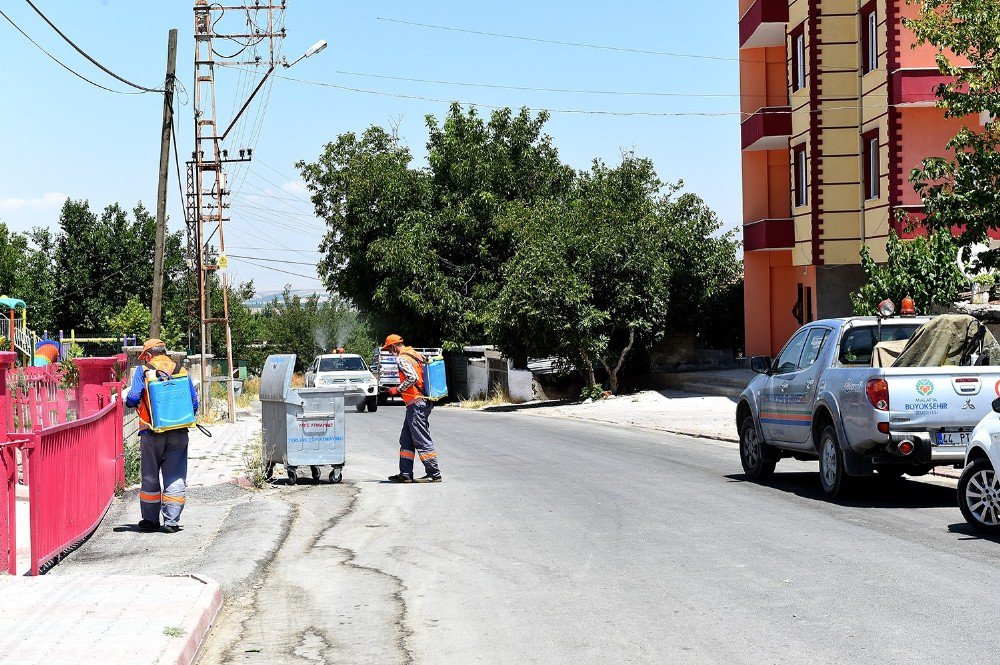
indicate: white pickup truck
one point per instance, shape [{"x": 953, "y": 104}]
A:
[{"x": 822, "y": 399}]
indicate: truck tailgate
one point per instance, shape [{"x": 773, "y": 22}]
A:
[{"x": 940, "y": 398}]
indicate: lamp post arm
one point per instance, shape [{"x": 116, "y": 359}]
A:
[{"x": 246, "y": 103}]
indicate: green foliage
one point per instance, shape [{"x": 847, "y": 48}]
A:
[
  {"x": 497, "y": 240},
  {"x": 593, "y": 391},
  {"x": 923, "y": 268},
  {"x": 421, "y": 246},
  {"x": 961, "y": 191}
]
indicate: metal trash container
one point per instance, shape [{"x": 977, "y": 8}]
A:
[{"x": 303, "y": 426}]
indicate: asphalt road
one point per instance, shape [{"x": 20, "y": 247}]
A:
[{"x": 558, "y": 541}]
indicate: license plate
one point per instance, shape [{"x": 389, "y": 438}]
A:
[{"x": 953, "y": 438}]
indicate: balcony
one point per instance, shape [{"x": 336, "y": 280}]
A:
[
  {"x": 767, "y": 129},
  {"x": 769, "y": 234},
  {"x": 915, "y": 87},
  {"x": 764, "y": 24}
]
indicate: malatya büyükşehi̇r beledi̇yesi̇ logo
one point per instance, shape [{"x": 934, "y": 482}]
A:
[{"x": 925, "y": 387}]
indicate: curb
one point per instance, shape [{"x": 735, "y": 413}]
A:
[{"x": 196, "y": 624}]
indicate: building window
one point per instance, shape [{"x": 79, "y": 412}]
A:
[
  {"x": 869, "y": 40},
  {"x": 801, "y": 178},
  {"x": 798, "y": 59},
  {"x": 871, "y": 165}
]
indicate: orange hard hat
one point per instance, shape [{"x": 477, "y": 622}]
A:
[
  {"x": 151, "y": 344},
  {"x": 391, "y": 340}
]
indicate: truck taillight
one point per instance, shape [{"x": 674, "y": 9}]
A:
[{"x": 878, "y": 393}]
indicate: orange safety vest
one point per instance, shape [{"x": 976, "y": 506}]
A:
[
  {"x": 164, "y": 364},
  {"x": 416, "y": 391}
]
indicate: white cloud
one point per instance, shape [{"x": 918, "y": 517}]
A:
[
  {"x": 50, "y": 201},
  {"x": 295, "y": 188}
]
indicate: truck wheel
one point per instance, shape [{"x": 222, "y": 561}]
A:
[
  {"x": 381, "y": 400},
  {"x": 752, "y": 450},
  {"x": 832, "y": 472},
  {"x": 372, "y": 404},
  {"x": 979, "y": 496},
  {"x": 360, "y": 406}
]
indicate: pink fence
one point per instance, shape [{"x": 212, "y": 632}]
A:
[
  {"x": 71, "y": 449},
  {"x": 8, "y": 514}
]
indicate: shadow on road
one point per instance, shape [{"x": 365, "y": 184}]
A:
[
  {"x": 965, "y": 530},
  {"x": 870, "y": 492}
]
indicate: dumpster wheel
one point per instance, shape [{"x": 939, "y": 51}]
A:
[
  {"x": 292, "y": 477},
  {"x": 315, "y": 473},
  {"x": 336, "y": 475}
]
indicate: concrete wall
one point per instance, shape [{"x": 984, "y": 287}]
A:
[
  {"x": 478, "y": 379},
  {"x": 520, "y": 383}
]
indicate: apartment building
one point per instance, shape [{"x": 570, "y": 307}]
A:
[{"x": 838, "y": 107}]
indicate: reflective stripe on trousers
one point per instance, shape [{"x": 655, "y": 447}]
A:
[
  {"x": 416, "y": 438},
  {"x": 163, "y": 453}
]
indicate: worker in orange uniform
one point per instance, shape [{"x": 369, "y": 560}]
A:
[
  {"x": 415, "y": 439},
  {"x": 163, "y": 453}
]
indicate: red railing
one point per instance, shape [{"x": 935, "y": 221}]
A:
[{"x": 71, "y": 448}]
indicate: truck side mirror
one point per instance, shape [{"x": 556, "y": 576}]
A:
[
  {"x": 996, "y": 405},
  {"x": 762, "y": 364}
]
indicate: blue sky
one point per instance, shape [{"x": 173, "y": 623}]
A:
[{"x": 62, "y": 137}]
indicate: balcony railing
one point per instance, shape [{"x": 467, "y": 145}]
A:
[
  {"x": 769, "y": 234},
  {"x": 767, "y": 129},
  {"x": 764, "y": 24}
]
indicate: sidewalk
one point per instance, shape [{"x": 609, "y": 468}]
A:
[
  {"x": 107, "y": 620},
  {"x": 129, "y": 597},
  {"x": 702, "y": 416}
]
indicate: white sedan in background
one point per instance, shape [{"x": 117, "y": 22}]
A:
[{"x": 348, "y": 371}]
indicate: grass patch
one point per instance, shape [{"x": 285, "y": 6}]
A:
[
  {"x": 496, "y": 397},
  {"x": 133, "y": 468},
  {"x": 251, "y": 392},
  {"x": 174, "y": 631},
  {"x": 254, "y": 465}
]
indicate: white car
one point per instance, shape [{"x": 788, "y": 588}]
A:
[
  {"x": 979, "y": 486},
  {"x": 349, "y": 371}
]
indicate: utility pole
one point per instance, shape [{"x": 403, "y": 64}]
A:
[
  {"x": 207, "y": 187},
  {"x": 161, "y": 192}
]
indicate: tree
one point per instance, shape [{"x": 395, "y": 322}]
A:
[
  {"x": 421, "y": 246},
  {"x": 923, "y": 268},
  {"x": 592, "y": 278},
  {"x": 305, "y": 326},
  {"x": 963, "y": 191}
]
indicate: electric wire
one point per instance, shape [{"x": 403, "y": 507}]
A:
[
  {"x": 285, "y": 261},
  {"x": 62, "y": 64},
  {"x": 602, "y": 47},
  {"x": 87, "y": 55},
  {"x": 287, "y": 272},
  {"x": 573, "y": 91}
]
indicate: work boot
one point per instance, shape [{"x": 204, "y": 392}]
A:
[
  {"x": 401, "y": 478},
  {"x": 147, "y": 526},
  {"x": 429, "y": 478},
  {"x": 170, "y": 528}
]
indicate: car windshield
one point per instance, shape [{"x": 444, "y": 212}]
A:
[
  {"x": 857, "y": 343},
  {"x": 347, "y": 364}
]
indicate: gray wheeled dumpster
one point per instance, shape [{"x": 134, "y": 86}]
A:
[{"x": 302, "y": 426}]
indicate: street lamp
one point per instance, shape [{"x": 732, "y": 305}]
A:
[{"x": 313, "y": 50}]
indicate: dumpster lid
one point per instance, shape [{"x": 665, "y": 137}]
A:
[{"x": 276, "y": 377}]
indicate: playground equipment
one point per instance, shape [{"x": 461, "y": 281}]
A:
[
  {"x": 47, "y": 352},
  {"x": 15, "y": 328}
]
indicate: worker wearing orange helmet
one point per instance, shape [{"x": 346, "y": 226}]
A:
[
  {"x": 161, "y": 453},
  {"x": 415, "y": 439}
]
